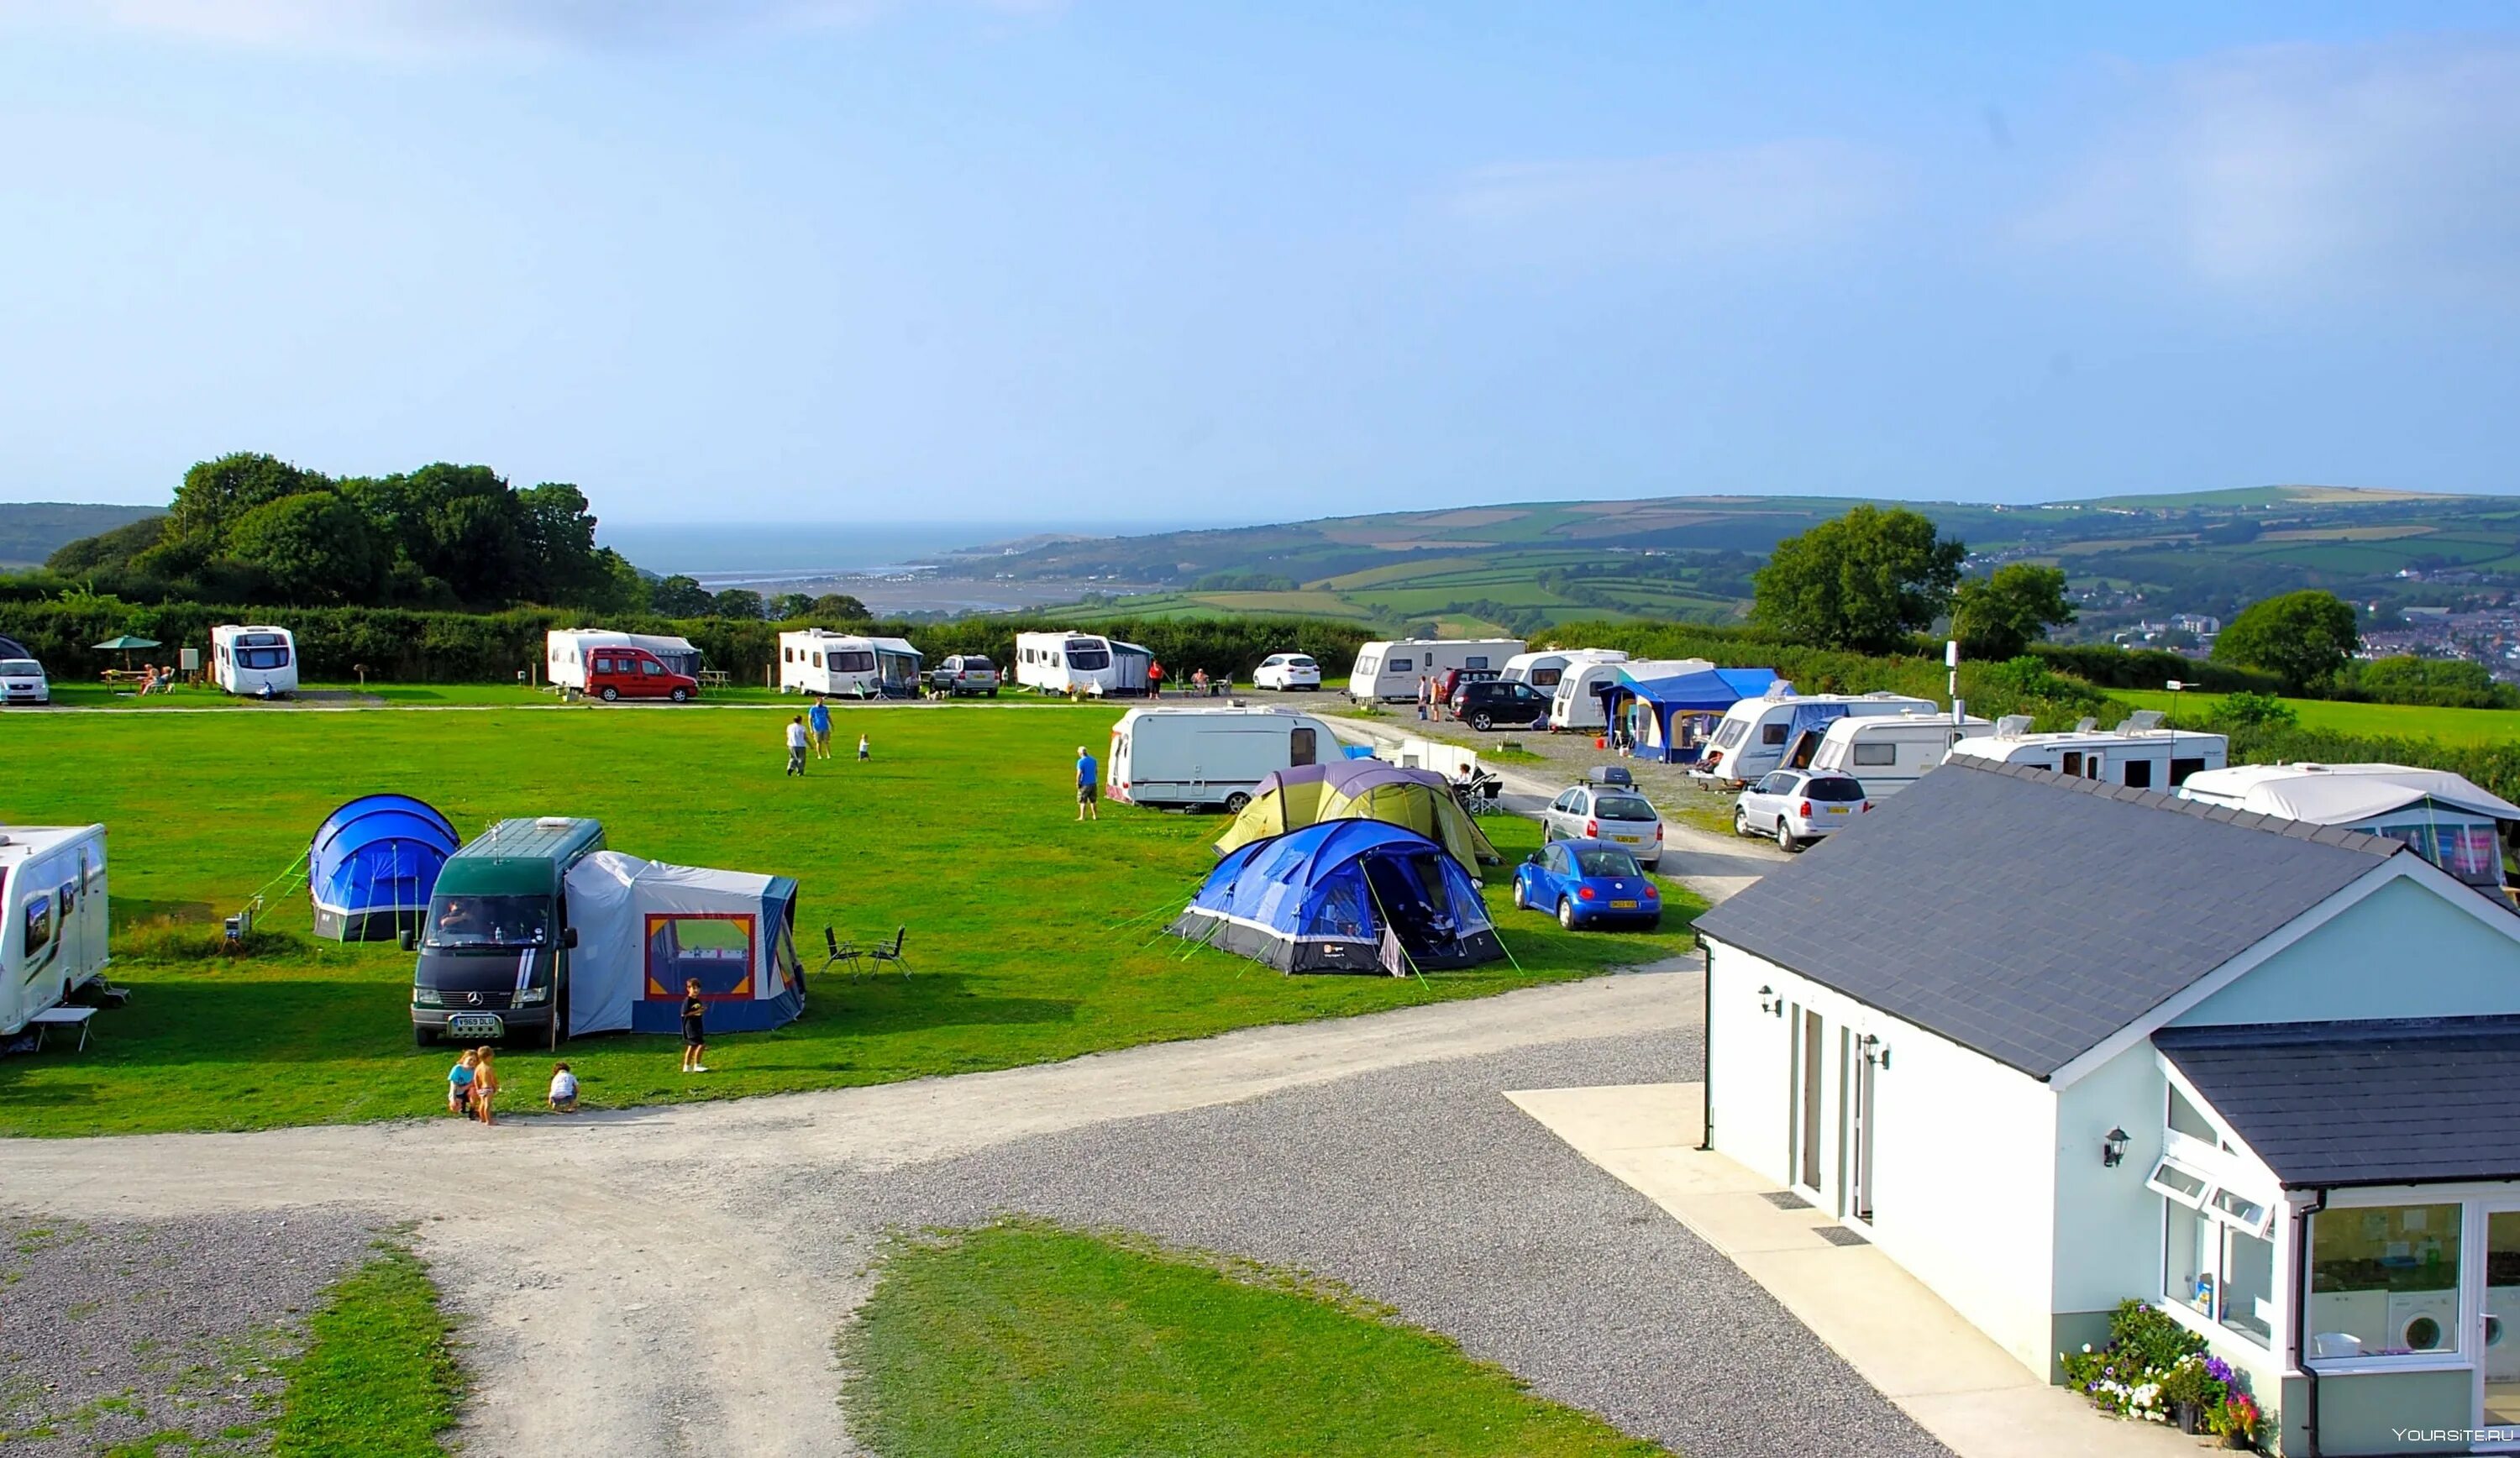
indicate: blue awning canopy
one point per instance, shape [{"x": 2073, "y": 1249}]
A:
[{"x": 1715, "y": 688}]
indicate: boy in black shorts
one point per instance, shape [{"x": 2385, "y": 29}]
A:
[{"x": 695, "y": 1028}]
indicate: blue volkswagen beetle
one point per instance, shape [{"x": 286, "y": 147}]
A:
[{"x": 1587, "y": 883}]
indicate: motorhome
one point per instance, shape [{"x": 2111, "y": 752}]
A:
[
  {"x": 2448, "y": 818},
  {"x": 52, "y": 897},
  {"x": 1888, "y": 752},
  {"x": 255, "y": 662},
  {"x": 2138, "y": 753},
  {"x": 494, "y": 952},
  {"x": 1576, "y": 702},
  {"x": 566, "y": 650},
  {"x": 1390, "y": 671},
  {"x": 1547, "y": 668},
  {"x": 1781, "y": 729},
  {"x": 819, "y": 661},
  {"x": 1186, "y": 759},
  {"x": 1070, "y": 663}
]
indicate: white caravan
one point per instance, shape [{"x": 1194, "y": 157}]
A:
[
  {"x": 1889, "y": 752},
  {"x": 1183, "y": 759},
  {"x": 52, "y": 897},
  {"x": 1547, "y": 668},
  {"x": 2448, "y": 818},
  {"x": 1066, "y": 662},
  {"x": 564, "y": 651},
  {"x": 1391, "y": 670},
  {"x": 845, "y": 665},
  {"x": 2138, "y": 753},
  {"x": 1576, "y": 702},
  {"x": 258, "y": 662},
  {"x": 1783, "y": 728}
]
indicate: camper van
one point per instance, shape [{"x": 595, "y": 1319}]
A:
[
  {"x": 1073, "y": 662},
  {"x": 1186, "y": 759},
  {"x": 52, "y": 895},
  {"x": 1781, "y": 730},
  {"x": 259, "y": 662},
  {"x": 1576, "y": 702},
  {"x": 565, "y": 652},
  {"x": 821, "y": 661},
  {"x": 2448, "y": 818},
  {"x": 2138, "y": 753},
  {"x": 1545, "y": 669},
  {"x": 1887, "y": 752},
  {"x": 1390, "y": 671},
  {"x": 494, "y": 950}
]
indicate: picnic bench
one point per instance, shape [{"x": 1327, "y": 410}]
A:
[
  {"x": 713, "y": 677},
  {"x": 62, "y": 1017}
]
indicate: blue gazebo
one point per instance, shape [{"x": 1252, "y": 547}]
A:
[{"x": 1669, "y": 719}]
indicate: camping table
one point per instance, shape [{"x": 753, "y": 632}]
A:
[
  {"x": 62, "y": 1017},
  {"x": 713, "y": 677}
]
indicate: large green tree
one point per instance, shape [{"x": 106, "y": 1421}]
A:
[
  {"x": 1864, "y": 581},
  {"x": 2305, "y": 638},
  {"x": 216, "y": 493},
  {"x": 313, "y": 547},
  {"x": 680, "y": 596},
  {"x": 1997, "y": 617}
]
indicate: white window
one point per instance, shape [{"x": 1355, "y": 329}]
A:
[
  {"x": 2216, "y": 1259},
  {"x": 2402, "y": 1261},
  {"x": 1477, "y": 660},
  {"x": 1403, "y": 665},
  {"x": 1883, "y": 753}
]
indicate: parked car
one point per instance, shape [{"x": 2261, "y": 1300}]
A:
[
  {"x": 1284, "y": 672},
  {"x": 1798, "y": 805},
  {"x": 1610, "y": 810},
  {"x": 22, "y": 682},
  {"x": 618, "y": 672},
  {"x": 964, "y": 673},
  {"x": 1450, "y": 684},
  {"x": 1493, "y": 703},
  {"x": 1587, "y": 883}
]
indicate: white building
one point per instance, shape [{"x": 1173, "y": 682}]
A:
[{"x": 2051, "y": 1043}]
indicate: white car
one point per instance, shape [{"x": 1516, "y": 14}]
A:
[
  {"x": 22, "y": 682},
  {"x": 1287, "y": 671},
  {"x": 1606, "y": 809},
  {"x": 1797, "y": 806}
]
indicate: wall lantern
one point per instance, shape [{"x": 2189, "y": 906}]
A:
[
  {"x": 2113, "y": 1148},
  {"x": 1874, "y": 1052},
  {"x": 1768, "y": 1002}
]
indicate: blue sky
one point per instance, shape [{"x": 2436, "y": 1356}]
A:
[{"x": 921, "y": 260}]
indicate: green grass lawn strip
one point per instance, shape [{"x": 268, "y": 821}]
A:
[{"x": 378, "y": 1378}]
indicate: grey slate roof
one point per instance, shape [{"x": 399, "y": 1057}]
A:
[
  {"x": 2334, "y": 1104},
  {"x": 2029, "y": 915}
]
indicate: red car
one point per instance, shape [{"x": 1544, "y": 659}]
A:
[{"x": 634, "y": 673}]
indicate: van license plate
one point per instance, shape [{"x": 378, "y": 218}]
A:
[
  {"x": 1626, "y": 840},
  {"x": 476, "y": 1025}
]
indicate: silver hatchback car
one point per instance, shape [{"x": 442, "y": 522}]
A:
[
  {"x": 1797, "y": 806},
  {"x": 1611, "y": 812}
]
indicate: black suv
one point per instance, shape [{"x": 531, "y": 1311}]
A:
[{"x": 1514, "y": 705}]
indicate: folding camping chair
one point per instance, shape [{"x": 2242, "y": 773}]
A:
[
  {"x": 841, "y": 951},
  {"x": 882, "y": 954}
]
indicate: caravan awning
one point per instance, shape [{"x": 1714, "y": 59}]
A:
[{"x": 1713, "y": 690}]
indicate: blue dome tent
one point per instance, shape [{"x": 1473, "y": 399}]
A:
[
  {"x": 373, "y": 863},
  {"x": 1344, "y": 896}
]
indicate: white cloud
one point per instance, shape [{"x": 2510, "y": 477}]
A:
[
  {"x": 2312, "y": 165},
  {"x": 464, "y": 24},
  {"x": 1769, "y": 195}
]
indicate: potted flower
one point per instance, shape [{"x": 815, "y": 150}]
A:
[
  {"x": 2236, "y": 1420},
  {"x": 2193, "y": 1392}
]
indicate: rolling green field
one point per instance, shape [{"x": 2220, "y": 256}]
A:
[
  {"x": 1029, "y": 1339},
  {"x": 1032, "y": 936},
  {"x": 2379, "y": 721}
]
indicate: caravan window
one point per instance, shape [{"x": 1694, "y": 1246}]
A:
[
  {"x": 40, "y": 929},
  {"x": 854, "y": 661},
  {"x": 1772, "y": 734},
  {"x": 1367, "y": 668},
  {"x": 1300, "y": 747},
  {"x": 1477, "y": 660},
  {"x": 1731, "y": 734},
  {"x": 1403, "y": 665},
  {"x": 262, "y": 658},
  {"x": 1547, "y": 678},
  {"x": 787, "y": 654},
  {"x": 1089, "y": 659},
  {"x": 2074, "y": 763},
  {"x": 1870, "y": 753},
  {"x": 2138, "y": 774}
]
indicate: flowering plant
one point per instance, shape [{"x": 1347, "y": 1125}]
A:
[
  {"x": 2237, "y": 1417},
  {"x": 2148, "y": 1363}
]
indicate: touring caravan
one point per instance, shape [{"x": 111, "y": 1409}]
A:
[
  {"x": 1783, "y": 728},
  {"x": 52, "y": 895},
  {"x": 1390, "y": 671},
  {"x": 1547, "y": 668},
  {"x": 1888, "y": 752},
  {"x": 1069, "y": 662},
  {"x": 1180, "y": 759},
  {"x": 2138, "y": 753},
  {"x": 564, "y": 651},
  {"x": 255, "y": 662},
  {"x": 2448, "y": 818},
  {"x": 1576, "y": 702},
  {"x": 819, "y": 661}
]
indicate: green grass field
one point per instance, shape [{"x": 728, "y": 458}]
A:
[
  {"x": 1033, "y": 937},
  {"x": 378, "y": 1378},
  {"x": 1026, "y": 1340},
  {"x": 2382, "y": 721}
]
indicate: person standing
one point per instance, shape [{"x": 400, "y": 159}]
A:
[
  {"x": 1156, "y": 678},
  {"x": 866, "y": 751},
  {"x": 485, "y": 1085},
  {"x": 798, "y": 739},
  {"x": 819, "y": 720},
  {"x": 695, "y": 1028},
  {"x": 1086, "y": 773},
  {"x": 1425, "y": 695}
]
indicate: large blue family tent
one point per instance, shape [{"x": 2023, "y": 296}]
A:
[
  {"x": 1668, "y": 719},
  {"x": 1344, "y": 896},
  {"x": 371, "y": 865}
]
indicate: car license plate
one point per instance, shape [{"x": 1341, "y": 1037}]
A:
[
  {"x": 1626, "y": 840},
  {"x": 1837, "y": 810},
  {"x": 1623, "y": 906},
  {"x": 474, "y": 1025}
]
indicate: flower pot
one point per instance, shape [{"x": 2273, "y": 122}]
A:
[
  {"x": 2189, "y": 1416},
  {"x": 2238, "y": 1440}
]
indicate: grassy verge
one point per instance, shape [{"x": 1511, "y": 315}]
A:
[
  {"x": 1033, "y": 937},
  {"x": 378, "y": 1378},
  {"x": 1023, "y": 1338},
  {"x": 2461, "y": 727}
]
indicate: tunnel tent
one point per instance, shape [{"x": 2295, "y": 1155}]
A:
[
  {"x": 1414, "y": 799},
  {"x": 1344, "y": 896},
  {"x": 373, "y": 863},
  {"x": 644, "y": 927}
]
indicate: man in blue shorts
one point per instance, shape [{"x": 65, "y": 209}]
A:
[{"x": 1086, "y": 788}]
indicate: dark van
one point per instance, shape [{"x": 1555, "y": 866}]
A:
[{"x": 494, "y": 950}]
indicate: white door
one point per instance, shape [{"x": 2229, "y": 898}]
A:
[
  {"x": 1809, "y": 1049},
  {"x": 1860, "y": 1067},
  {"x": 2498, "y": 1399}
]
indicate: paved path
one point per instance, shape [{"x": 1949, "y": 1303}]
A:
[{"x": 668, "y": 1280}]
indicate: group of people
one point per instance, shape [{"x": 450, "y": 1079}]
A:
[
  {"x": 811, "y": 731},
  {"x": 472, "y": 1086},
  {"x": 1200, "y": 683},
  {"x": 156, "y": 680}
]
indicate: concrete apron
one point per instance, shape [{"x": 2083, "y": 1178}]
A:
[{"x": 1889, "y": 1327}]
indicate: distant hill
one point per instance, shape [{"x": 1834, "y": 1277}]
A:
[
  {"x": 1523, "y": 565},
  {"x": 31, "y": 531}
]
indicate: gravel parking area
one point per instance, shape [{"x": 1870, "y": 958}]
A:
[
  {"x": 174, "y": 1329},
  {"x": 1425, "y": 1188},
  {"x": 1568, "y": 756}
]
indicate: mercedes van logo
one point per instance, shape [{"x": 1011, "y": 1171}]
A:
[{"x": 473, "y": 997}]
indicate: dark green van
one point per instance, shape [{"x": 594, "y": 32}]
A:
[{"x": 494, "y": 950}]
